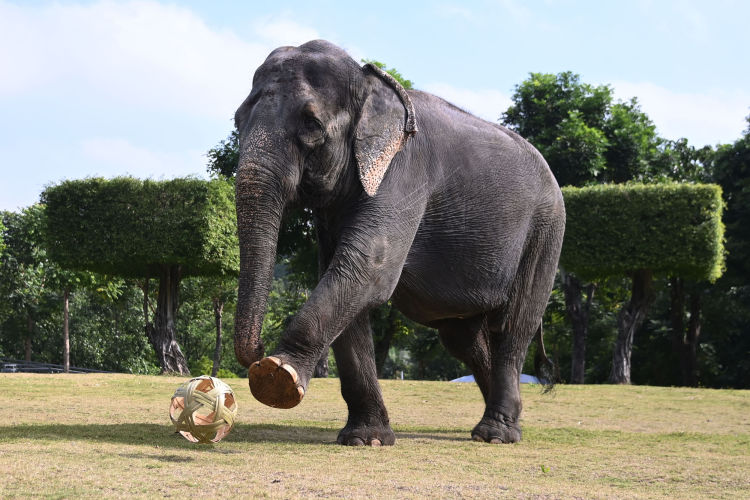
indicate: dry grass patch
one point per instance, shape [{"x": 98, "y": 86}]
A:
[{"x": 82, "y": 436}]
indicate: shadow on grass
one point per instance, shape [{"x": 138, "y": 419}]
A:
[{"x": 164, "y": 436}]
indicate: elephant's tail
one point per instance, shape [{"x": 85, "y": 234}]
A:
[{"x": 544, "y": 368}]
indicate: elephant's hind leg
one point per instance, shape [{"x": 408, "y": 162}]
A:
[
  {"x": 500, "y": 421},
  {"x": 511, "y": 330},
  {"x": 467, "y": 340},
  {"x": 368, "y": 422},
  {"x": 471, "y": 341}
]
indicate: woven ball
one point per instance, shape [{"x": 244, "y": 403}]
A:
[{"x": 203, "y": 409}]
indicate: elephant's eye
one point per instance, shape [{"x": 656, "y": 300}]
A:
[{"x": 311, "y": 131}]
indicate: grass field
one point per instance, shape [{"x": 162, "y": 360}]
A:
[{"x": 83, "y": 436}]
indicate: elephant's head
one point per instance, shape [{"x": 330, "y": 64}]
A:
[{"x": 316, "y": 127}]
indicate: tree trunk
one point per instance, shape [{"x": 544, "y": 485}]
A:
[
  {"x": 27, "y": 340},
  {"x": 690, "y": 350},
  {"x": 383, "y": 345},
  {"x": 677, "y": 318},
  {"x": 578, "y": 313},
  {"x": 629, "y": 319},
  {"x": 145, "y": 289},
  {"x": 321, "y": 369},
  {"x": 218, "y": 312},
  {"x": 163, "y": 332},
  {"x": 685, "y": 341},
  {"x": 66, "y": 331}
]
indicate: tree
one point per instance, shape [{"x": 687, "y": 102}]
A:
[
  {"x": 2, "y": 238},
  {"x": 139, "y": 229},
  {"x": 564, "y": 119},
  {"x": 679, "y": 161},
  {"x": 731, "y": 171},
  {"x": 632, "y": 144},
  {"x": 641, "y": 230},
  {"x": 32, "y": 312},
  {"x": 25, "y": 272},
  {"x": 222, "y": 290},
  {"x": 730, "y": 311},
  {"x": 224, "y": 159}
]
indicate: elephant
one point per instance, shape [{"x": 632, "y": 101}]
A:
[{"x": 457, "y": 220}]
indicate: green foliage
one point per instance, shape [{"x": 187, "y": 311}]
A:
[
  {"x": 732, "y": 173},
  {"x": 204, "y": 365},
  {"x": 297, "y": 248},
  {"x": 632, "y": 143},
  {"x": 284, "y": 301},
  {"x": 576, "y": 145},
  {"x": 428, "y": 359},
  {"x": 582, "y": 134},
  {"x": 407, "y": 84},
  {"x": 105, "y": 333},
  {"x": 224, "y": 159},
  {"x": 674, "y": 229},
  {"x": 25, "y": 272},
  {"x": 196, "y": 323},
  {"x": 564, "y": 119},
  {"x": 680, "y": 161},
  {"x": 129, "y": 227}
]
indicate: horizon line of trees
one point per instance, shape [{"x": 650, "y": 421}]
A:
[{"x": 680, "y": 329}]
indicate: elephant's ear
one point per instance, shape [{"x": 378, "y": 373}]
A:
[{"x": 386, "y": 122}]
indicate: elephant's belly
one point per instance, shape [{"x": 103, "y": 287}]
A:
[
  {"x": 465, "y": 254},
  {"x": 450, "y": 286}
]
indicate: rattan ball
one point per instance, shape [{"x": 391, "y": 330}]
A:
[{"x": 203, "y": 409}]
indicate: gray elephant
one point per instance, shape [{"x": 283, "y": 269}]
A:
[{"x": 457, "y": 220}]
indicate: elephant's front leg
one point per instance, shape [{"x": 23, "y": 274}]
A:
[
  {"x": 368, "y": 422},
  {"x": 363, "y": 271}
]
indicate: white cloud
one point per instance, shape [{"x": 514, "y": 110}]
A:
[
  {"x": 488, "y": 104},
  {"x": 119, "y": 155},
  {"x": 703, "y": 118},
  {"x": 128, "y": 87},
  {"x": 138, "y": 53}
]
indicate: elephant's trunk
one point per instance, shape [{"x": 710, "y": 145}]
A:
[{"x": 260, "y": 206}]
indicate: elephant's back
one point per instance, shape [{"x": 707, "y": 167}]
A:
[
  {"x": 488, "y": 189},
  {"x": 456, "y": 143}
]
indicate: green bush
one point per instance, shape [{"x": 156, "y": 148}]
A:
[
  {"x": 130, "y": 227},
  {"x": 614, "y": 229}
]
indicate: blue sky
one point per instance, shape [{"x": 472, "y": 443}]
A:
[{"x": 145, "y": 88}]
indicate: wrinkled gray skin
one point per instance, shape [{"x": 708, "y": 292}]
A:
[{"x": 463, "y": 232}]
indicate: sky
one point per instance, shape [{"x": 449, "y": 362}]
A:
[{"x": 146, "y": 88}]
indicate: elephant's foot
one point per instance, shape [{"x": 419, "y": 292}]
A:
[
  {"x": 496, "y": 430},
  {"x": 274, "y": 383},
  {"x": 356, "y": 434}
]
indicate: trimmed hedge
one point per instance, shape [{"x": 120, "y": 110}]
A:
[
  {"x": 672, "y": 229},
  {"x": 130, "y": 227}
]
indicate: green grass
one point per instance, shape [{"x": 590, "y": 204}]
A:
[{"x": 84, "y": 436}]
